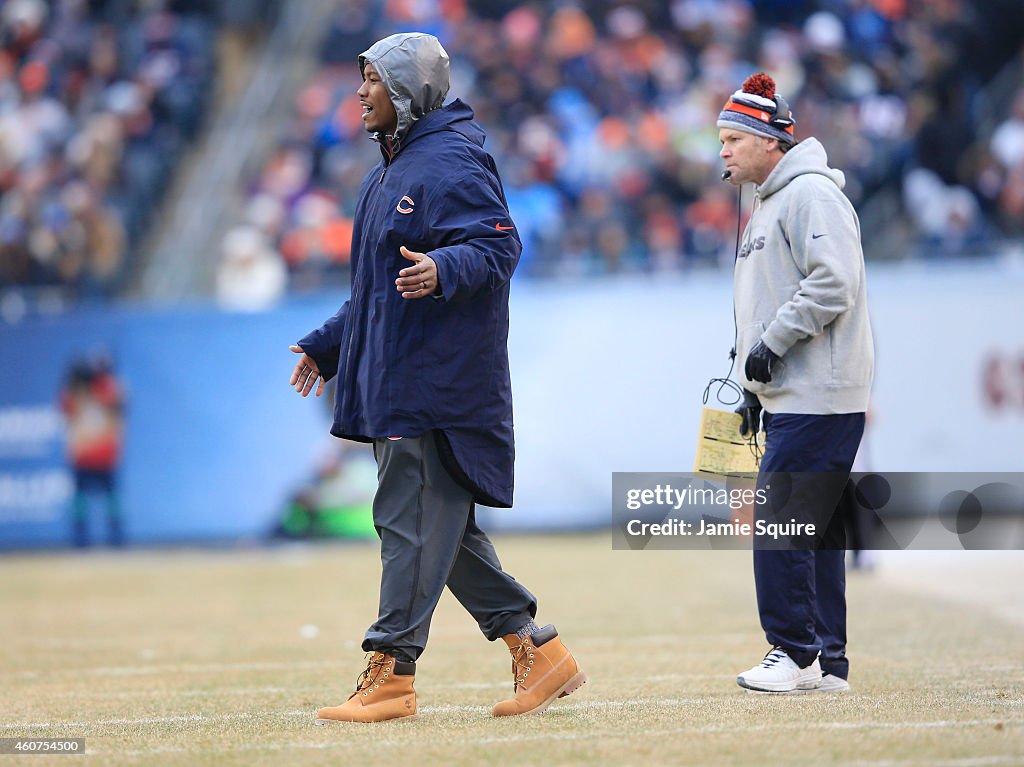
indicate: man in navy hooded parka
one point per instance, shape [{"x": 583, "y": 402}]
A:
[{"x": 420, "y": 352}]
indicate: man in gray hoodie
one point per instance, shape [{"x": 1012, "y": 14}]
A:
[{"x": 804, "y": 346}]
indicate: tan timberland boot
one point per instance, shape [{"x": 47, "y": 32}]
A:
[
  {"x": 542, "y": 669},
  {"x": 383, "y": 691}
]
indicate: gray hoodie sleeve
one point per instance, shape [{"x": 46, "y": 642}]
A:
[{"x": 825, "y": 242}]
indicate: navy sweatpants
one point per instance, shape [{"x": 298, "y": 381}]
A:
[{"x": 801, "y": 595}]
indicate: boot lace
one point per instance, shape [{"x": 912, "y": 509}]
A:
[
  {"x": 371, "y": 674},
  {"x": 522, "y": 661}
]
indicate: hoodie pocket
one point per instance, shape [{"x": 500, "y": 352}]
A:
[{"x": 747, "y": 340}]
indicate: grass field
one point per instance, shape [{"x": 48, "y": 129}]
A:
[{"x": 200, "y": 658}]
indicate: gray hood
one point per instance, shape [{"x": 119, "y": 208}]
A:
[
  {"x": 806, "y": 157},
  {"x": 414, "y": 68}
]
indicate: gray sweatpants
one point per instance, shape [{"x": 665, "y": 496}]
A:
[{"x": 428, "y": 540}]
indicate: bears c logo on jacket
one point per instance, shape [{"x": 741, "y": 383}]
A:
[{"x": 408, "y": 204}]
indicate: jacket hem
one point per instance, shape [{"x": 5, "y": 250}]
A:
[
  {"x": 812, "y": 402},
  {"x": 451, "y": 465}
]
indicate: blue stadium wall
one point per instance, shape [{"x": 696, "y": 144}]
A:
[
  {"x": 607, "y": 376},
  {"x": 213, "y": 442}
]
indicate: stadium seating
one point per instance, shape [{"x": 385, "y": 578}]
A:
[{"x": 600, "y": 115}]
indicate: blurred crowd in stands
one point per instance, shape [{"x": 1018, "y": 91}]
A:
[
  {"x": 601, "y": 116},
  {"x": 98, "y": 101}
]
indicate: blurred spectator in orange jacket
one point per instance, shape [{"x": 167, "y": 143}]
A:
[{"x": 93, "y": 404}]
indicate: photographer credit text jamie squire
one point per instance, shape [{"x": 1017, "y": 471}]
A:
[
  {"x": 760, "y": 528},
  {"x": 733, "y": 499}
]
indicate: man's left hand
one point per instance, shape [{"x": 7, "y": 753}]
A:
[
  {"x": 760, "y": 362},
  {"x": 419, "y": 280},
  {"x": 750, "y": 414}
]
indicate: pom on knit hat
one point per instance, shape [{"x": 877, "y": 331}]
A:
[{"x": 756, "y": 108}]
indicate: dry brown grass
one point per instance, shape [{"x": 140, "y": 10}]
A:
[{"x": 196, "y": 658}]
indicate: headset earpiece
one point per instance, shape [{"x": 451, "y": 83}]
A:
[{"x": 781, "y": 118}]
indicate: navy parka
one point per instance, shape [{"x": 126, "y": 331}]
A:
[{"x": 406, "y": 367}]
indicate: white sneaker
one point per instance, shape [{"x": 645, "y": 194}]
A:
[
  {"x": 778, "y": 673},
  {"x": 829, "y": 683},
  {"x": 832, "y": 683}
]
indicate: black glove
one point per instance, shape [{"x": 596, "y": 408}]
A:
[
  {"x": 750, "y": 414},
  {"x": 760, "y": 362}
]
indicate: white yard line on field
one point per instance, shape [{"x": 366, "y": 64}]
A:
[
  {"x": 184, "y": 668},
  {"x": 575, "y": 707}
]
